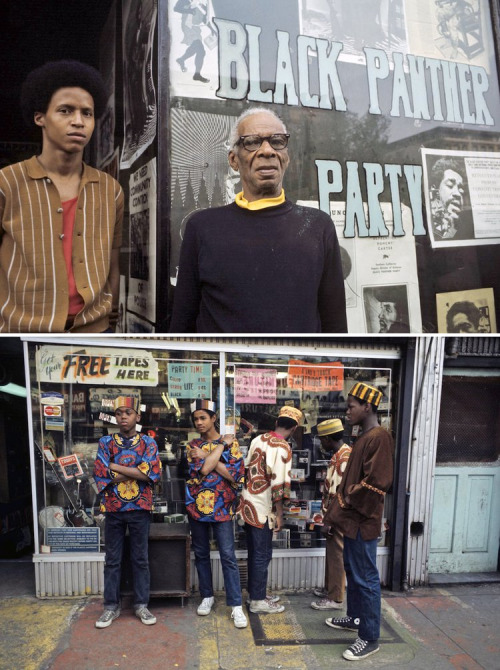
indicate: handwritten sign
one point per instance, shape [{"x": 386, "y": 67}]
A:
[
  {"x": 91, "y": 365},
  {"x": 255, "y": 385},
  {"x": 190, "y": 380},
  {"x": 320, "y": 377}
]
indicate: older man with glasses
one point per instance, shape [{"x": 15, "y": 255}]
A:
[{"x": 262, "y": 263}]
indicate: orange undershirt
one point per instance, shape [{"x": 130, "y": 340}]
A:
[{"x": 76, "y": 302}]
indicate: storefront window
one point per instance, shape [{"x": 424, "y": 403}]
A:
[
  {"x": 393, "y": 110},
  {"x": 256, "y": 388},
  {"x": 73, "y": 387}
]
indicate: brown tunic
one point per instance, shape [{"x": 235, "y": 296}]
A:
[{"x": 366, "y": 479}]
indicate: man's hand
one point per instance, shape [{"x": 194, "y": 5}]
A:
[{"x": 196, "y": 452}]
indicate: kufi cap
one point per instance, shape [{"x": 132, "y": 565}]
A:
[
  {"x": 366, "y": 392},
  {"x": 201, "y": 403},
  {"x": 291, "y": 413},
  {"x": 329, "y": 427},
  {"x": 126, "y": 401}
]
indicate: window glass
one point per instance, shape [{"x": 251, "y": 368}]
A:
[
  {"x": 469, "y": 430},
  {"x": 73, "y": 388},
  {"x": 393, "y": 110}
]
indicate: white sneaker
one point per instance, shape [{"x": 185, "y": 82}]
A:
[
  {"x": 265, "y": 607},
  {"x": 270, "y": 598},
  {"x": 240, "y": 620},
  {"x": 205, "y": 606},
  {"x": 326, "y": 604}
]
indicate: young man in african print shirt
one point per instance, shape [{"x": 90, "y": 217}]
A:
[
  {"x": 215, "y": 473},
  {"x": 126, "y": 467},
  {"x": 267, "y": 484}
]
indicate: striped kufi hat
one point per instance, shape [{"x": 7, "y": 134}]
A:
[{"x": 366, "y": 392}]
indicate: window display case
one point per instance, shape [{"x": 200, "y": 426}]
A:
[{"x": 72, "y": 389}]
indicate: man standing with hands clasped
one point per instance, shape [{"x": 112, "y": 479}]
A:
[
  {"x": 126, "y": 467},
  {"x": 267, "y": 484},
  {"x": 357, "y": 511}
]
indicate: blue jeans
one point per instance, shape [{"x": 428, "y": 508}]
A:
[
  {"x": 260, "y": 552},
  {"x": 115, "y": 528},
  {"x": 363, "y": 585},
  {"x": 224, "y": 534}
]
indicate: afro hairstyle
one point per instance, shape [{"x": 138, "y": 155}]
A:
[{"x": 41, "y": 84}]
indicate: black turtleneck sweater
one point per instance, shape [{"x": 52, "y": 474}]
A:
[{"x": 274, "y": 270}]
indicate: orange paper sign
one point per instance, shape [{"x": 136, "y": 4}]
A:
[{"x": 319, "y": 377}]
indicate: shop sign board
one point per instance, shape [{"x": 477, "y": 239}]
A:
[
  {"x": 190, "y": 380},
  {"x": 255, "y": 385},
  {"x": 320, "y": 377},
  {"x": 93, "y": 365}
]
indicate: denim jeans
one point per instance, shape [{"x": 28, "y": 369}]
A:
[
  {"x": 224, "y": 534},
  {"x": 115, "y": 528},
  {"x": 260, "y": 552},
  {"x": 363, "y": 585}
]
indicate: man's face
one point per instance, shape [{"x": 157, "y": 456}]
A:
[
  {"x": 69, "y": 121},
  {"x": 451, "y": 193},
  {"x": 126, "y": 418},
  {"x": 203, "y": 421},
  {"x": 387, "y": 316},
  {"x": 462, "y": 323},
  {"x": 261, "y": 171},
  {"x": 326, "y": 443},
  {"x": 355, "y": 412}
]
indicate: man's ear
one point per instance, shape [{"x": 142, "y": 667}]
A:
[
  {"x": 232, "y": 158},
  {"x": 39, "y": 118}
]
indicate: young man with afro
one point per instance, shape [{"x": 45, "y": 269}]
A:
[{"x": 60, "y": 219}]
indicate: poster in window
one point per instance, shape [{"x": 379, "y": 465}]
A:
[
  {"x": 105, "y": 125},
  {"x": 70, "y": 466},
  {"x": 141, "y": 297},
  {"x": 356, "y": 24},
  {"x": 382, "y": 290},
  {"x": 466, "y": 312},
  {"x": 139, "y": 95},
  {"x": 462, "y": 197},
  {"x": 455, "y": 30}
]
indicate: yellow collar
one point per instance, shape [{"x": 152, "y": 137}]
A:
[{"x": 242, "y": 202}]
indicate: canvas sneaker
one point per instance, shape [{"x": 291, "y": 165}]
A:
[
  {"x": 205, "y": 606},
  {"x": 265, "y": 607},
  {"x": 271, "y": 599},
  {"x": 237, "y": 615},
  {"x": 320, "y": 593},
  {"x": 360, "y": 649},
  {"x": 344, "y": 623},
  {"x": 145, "y": 616},
  {"x": 326, "y": 604},
  {"x": 107, "y": 618}
]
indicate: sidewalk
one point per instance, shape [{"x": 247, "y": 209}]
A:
[{"x": 452, "y": 628}]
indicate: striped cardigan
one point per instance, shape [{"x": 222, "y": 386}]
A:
[{"x": 33, "y": 277}]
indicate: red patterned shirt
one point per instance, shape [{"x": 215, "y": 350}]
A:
[{"x": 139, "y": 451}]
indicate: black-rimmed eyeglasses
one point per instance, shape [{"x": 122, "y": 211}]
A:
[{"x": 278, "y": 141}]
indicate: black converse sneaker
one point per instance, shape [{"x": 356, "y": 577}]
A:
[
  {"x": 344, "y": 623},
  {"x": 360, "y": 649}
]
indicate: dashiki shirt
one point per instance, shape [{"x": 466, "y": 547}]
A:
[
  {"x": 211, "y": 497},
  {"x": 336, "y": 468},
  {"x": 139, "y": 451},
  {"x": 267, "y": 479}
]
